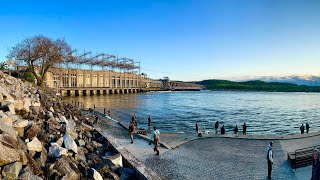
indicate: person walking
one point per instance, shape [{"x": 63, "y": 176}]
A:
[
  {"x": 155, "y": 137},
  {"x": 244, "y": 129},
  {"x": 236, "y": 130},
  {"x": 216, "y": 126},
  {"x": 270, "y": 159},
  {"x": 223, "y": 130},
  {"x": 131, "y": 130},
  {"x": 149, "y": 122},
  {"x": 302, "y": 129},
  {"x": 315, "y": 165},
  {"x": 307, "y": 127}
]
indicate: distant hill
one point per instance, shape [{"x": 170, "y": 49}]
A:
[
  {"x": 257, "y": 85},
  {"x": 300, "y": 80}
]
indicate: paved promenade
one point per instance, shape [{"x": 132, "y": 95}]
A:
[{"x": 185, "y": 156}]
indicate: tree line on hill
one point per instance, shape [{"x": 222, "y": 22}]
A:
[{"x": 256, "y": 85}]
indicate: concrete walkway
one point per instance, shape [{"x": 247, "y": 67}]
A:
[{"x": 186, "y": 156}]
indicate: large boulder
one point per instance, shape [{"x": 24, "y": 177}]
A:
[
  {"x": 26, "y": 104},
  {"x": 8, "y": 155},
  {"x": 116, "y": 160},
  {"x": 33, "y": 131},
  {"x": 29, "y": 176},
  {"x": 8, "y": 140},
  {"x": 35, "y": 145},
  {"x": 56, "y": 151},
  {"x": 96, "y": 175},
  {"x": 11, "y": 171},
  {"x": 4, "y": 127},
  {"x": 69, "y": 143},
  {"x": 18, "y": 105},
  {"x": 67, "y": 168},
  {"x": 5, "y": 118},
  {"x": 20, "y": 123}
]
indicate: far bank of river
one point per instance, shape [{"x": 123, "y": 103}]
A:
[{"x": 264, "y": 112}]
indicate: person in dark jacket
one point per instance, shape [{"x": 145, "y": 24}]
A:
[
  {"x": 302, "y": 129},
  {"x": 216, "y": 126},
  {"x": 131, "y": 130},
  {"x": 149, "y": 122},
  {"x": 270, "y": 159},
  {"x": 197, "y": 127},
  {"x": 244, "y": 129},
  {"x": 315, "y": 165},
  {"x": 307, "y": 127},
  {"x": 223, "y": 130},
  {"x": 236, "y": 130}
]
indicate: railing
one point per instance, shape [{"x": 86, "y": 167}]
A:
[{"x": 302, "y": 157}]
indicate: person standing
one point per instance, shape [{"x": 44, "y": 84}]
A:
[
  {"x": 244, "y": 129},
  {"x": 315, "y": 165},
  {"x": 109, "y": 114},
  {"x": 197, "y": 127},
  {"x": 155, "y": 136},
  {"x": 149, "y": 122},
  {"x": 104, "y": 111},
  {"x": 131, "y": 130},
  {"x": 216, "y": 126},
  {"x": 302, "y": 129},
  {"x": 236, "y": 130},
  {"x": 223, "y": 130},
  {"x": 307, "y": 127},
  {"x": 270, "y": 159}
]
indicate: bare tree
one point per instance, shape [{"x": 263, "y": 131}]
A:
[{"x": 40, "y": 53}]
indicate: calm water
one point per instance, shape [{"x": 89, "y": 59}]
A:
[{"x": 264, "y": 112}]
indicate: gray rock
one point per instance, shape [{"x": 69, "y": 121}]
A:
[
  {"x": 69, "y": 143},
  {"x": 56, "y": 151},
  {"x": 11, "y": 171},
  {"x": 4, "y": 127},
  {"x": 26, "y": 104}
]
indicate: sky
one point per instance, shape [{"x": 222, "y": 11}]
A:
[{"x": 187, "y": 40}]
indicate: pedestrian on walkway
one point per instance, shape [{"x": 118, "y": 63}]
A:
[
  {"x": 315, "y": 165},
  {"x": 223, "y": 130},
  {"x": 149, "y": 122},
  {"x": 307, "y": 127},
  {"x": 244, "y": 129},
  {"x": 131, "y": 130},
  {"x": 270, "y": 159},
  {"x": 236, "y": 130},
  {"x": 104, "y": 111},
  {"x": 302, "y": 129},
  {"x": 197, "y": 127},
  {"x": 155, "y": 137},
  {"x": 216, "y": 126}
]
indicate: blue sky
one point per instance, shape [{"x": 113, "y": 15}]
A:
[{"x": 182, "y": 39}]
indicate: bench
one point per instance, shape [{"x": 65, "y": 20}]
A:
[{"x": 301, "y": 157}]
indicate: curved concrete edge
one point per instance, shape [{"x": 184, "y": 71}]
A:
[
  {"x": 253, "y": 137},
  {"x": 141, "y": 171}
]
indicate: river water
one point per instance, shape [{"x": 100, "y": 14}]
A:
[{"x": 263, "y": 112}]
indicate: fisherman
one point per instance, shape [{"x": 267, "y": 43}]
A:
[
  {"x": 155, "y": 136},
  {"x": 223, "y": 130},
  {"x": 149, "y": 122},
  {"x": 131, "y": 130},
  {"x": 216, "y": 126},
  {"x": 236, "y": 130}
]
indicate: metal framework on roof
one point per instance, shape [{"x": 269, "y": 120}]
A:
[{"x": 105, "y": 61}]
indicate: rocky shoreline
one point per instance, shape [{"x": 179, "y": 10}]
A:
[{"x": 42, "y": 137}]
